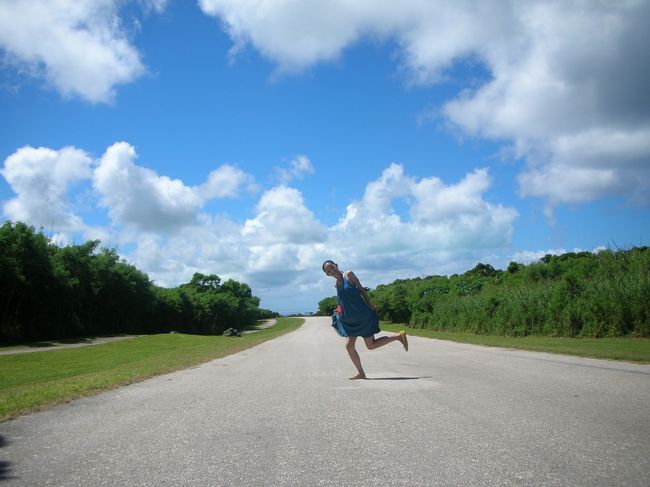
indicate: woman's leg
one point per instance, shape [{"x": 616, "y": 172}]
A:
[
  {"x": 354, "y": 356},
  {"x": 372, "y": 342}
]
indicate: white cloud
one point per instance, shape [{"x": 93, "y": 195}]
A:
[
  {"x": 157, "y": 6},
  {"x": 282, "y": 217},
  {"x": 392, "y": 184},
  {"x": 212, "y": 245},
  {"x": 443, "y": 218},
  {"x": 142, "y": 200},
  {"x": 42, "y": 179},
  {"x": 278, "y": 251},
  {"x": 225, "y": 182},
  {"x": 561, "y": 183},
  {"x": 568, "y": 85},
  {"x": 572, "y": 102},
  {"x": 137, "y": 196},
  {"x": 581, "y": 168},
  {"x": 437, "y": 202},
  {"x": 293, "y": 33},
  {"x": 77, "y": 46},
  {"x": 298, "y": 168}
]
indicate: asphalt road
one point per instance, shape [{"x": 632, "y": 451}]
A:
[{"x": 284, "y": 413}]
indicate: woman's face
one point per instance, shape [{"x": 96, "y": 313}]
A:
[{"x": 331, "y": 269}]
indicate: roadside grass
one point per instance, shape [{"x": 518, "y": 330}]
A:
[
  {"x": 622, "y": 349},
  {"x": 33, "y": 381}
]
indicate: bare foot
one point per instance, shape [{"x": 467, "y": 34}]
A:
[{"x": 358, "y": 376}]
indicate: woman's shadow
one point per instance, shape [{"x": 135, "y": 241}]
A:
[{"x": 396, "y": 378}]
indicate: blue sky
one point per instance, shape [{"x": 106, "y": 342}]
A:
[{"x": 256, "y": 139}]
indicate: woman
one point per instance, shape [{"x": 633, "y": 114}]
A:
[{"x": 356, "y": 316}]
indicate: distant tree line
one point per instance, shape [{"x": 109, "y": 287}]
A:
[
  {"x": 574, "y": 295},
  {"x": 47, "y": 291}
]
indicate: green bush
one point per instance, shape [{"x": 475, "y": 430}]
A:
[
  {"x": 572, "y": 295},
  {"x": 47, "y": 292}
]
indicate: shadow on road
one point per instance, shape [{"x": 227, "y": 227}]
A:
[
  {"x": 5, "y": 467},
  {"x": 67, "y": 341},
  {"x": 396, "y": 378}
]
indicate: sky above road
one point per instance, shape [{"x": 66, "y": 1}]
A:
[{"x": 255, "y": 139}]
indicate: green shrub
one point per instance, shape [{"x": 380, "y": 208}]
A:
[{"x": 572, "y": 295}]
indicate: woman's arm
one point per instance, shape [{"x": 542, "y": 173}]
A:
[{"x": 354, "y": 280}]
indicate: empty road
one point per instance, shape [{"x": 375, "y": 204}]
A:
[{"x": 284, "y": 414}]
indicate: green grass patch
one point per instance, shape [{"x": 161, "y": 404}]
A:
[
  {"x": 625, "y": 349},
  {"x": 32, "y": 381}
]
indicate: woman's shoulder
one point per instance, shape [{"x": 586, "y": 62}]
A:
[{"x": 350, "y": 276}]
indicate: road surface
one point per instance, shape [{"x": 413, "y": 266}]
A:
[{"x": 285, "y": 414}]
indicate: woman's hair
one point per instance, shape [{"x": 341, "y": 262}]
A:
[{"x": 327, "y": 262}]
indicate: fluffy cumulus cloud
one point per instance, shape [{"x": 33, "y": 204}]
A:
[
  {"x": 444, "y": 219},
  {"x": 212, "y": 245},
  {"x": 225, "y": 182},
  {"x": 138, "y": 197},
  {"x": 282, "y": 217},
  {"x": 571, "y": 100},
  {"x": 293, "y": 33},
  {"x": 77, "y": 46},
  {"x": 272, "y": 251},
  {"x": 568, "y": 87},
  {"x": 42, "y": 179},
  {"x": 278, "y": 250}
]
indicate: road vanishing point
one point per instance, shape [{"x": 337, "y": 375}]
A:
[{"x": 285, "y": 414}]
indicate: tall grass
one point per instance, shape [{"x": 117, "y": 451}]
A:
[{"x": 582, "y": 295}]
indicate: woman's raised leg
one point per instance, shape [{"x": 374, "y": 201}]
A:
[{"x": 372, "y": 342}]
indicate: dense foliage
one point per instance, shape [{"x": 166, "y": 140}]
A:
[
  {"x": 326, "y": 306},
  {"x": 47, "y": 291},
  {"x": 574, "y": 294}
]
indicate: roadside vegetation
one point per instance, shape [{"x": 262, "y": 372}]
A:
[
  {"x": 32, "y": 381},
  {"x": 53, "y": 292},
  {"x": 606, "y": 294},
  {"x": 589, "y": 304}
]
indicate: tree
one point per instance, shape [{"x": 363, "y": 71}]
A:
[
  {"x": 48, "y": 292},
  {"x": 485, "y": 270},
  {"x": 326, "y": 306},
  {"x": 205, "y": 283}
]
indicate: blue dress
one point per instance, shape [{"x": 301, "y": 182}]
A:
[{"x": 357, "y": 320}]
